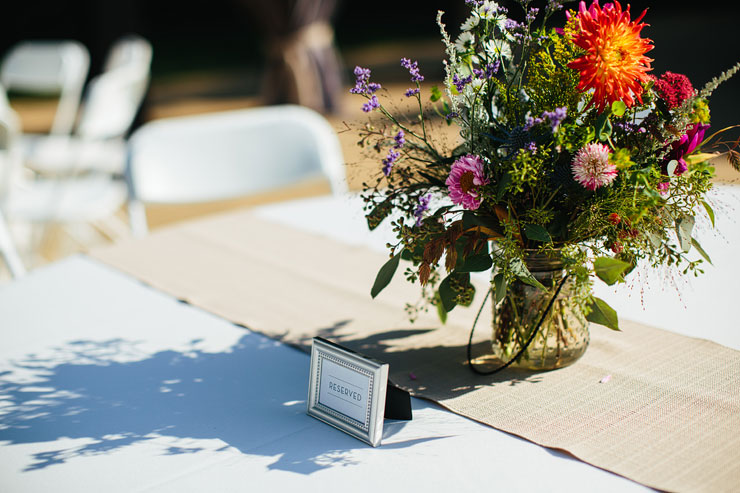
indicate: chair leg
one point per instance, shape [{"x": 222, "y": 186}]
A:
[
  {"x": 8, "y": 251},
  {"x": 137, "y": 218}
]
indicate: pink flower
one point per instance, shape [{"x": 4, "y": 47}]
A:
[
  {"x": 591, "y": 167},
  {"x": 466, "y": 176},
  {"x": 673, "y": 88},
  {"x": 685, "y": 146}
]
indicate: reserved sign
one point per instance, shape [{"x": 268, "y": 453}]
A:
[{"x": 347, "y": 390}]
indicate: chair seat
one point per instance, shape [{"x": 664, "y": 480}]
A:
[
  {"x": 56, "y": 154},
  {"x": 83, "y": 199}
]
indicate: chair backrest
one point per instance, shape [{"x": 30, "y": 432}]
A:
[
  {"x": 231, "y": 154},
  {"x": 129, "y": 51},
  {"x": 113, "y": 98},
  {"x": 217, "y": 156},
  {"x": 49, "y": 67}
]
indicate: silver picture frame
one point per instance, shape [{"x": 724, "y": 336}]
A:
[{"x": 347, "y": 390}]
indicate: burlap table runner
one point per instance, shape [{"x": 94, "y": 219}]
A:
[{"x": 668, "y": 416}]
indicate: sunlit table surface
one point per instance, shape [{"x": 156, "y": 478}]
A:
[{"x": 109, "y": 385}]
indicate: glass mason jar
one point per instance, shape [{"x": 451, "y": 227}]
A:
[{"x": 563, "y": 336}]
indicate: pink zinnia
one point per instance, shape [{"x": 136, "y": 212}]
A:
[
  {"x": 591, "y": 167},
  {"x": 466, "y": 176}
]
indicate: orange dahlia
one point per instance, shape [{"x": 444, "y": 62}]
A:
[{"x": 614, "y": 65}]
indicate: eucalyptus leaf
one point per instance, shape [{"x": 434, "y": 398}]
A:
[
  {"x": 536, "y": 232},
  {"x": 700, "y": 250},
  {"x": 603, "y": 314},
  {"x": 499, "y": 285},
  {"x": 610, "y": 270},
  {"x": 654, "y": 240},
  {"x": 385, "y": 274},
  {"x": 618, "y": 108},
  {"x": 441, "y": 312},
  {"x": 710, "y": 211},
  {"x": 475, "y": 263},
  {"x": 446, "y": 294},
  {"x": 671, "y": 167},
  {"x": 522, "y": 273},
  {"x": 684, "y": 228}
]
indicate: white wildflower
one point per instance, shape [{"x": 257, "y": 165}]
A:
[
  {"x": 498, "y": 48},
  {"x": 464, "y": 42},
  {"x": 488, "y": 10},
  {"x": 470, "y": 23}
]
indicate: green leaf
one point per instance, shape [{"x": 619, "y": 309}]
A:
[
  {"x": 618, "y": 108},
  {"x": 710, "y": 211},
  {"x": 522, "y": 273},
  {"x": 503, "y": 185},
  {"x": 536, "y": 232},
  {"x": 446, "y": 294},
  {"x": 610, "y": 270},
  {"x": 385, "y": 274},
  {"x": 603, "y": 314},
  {"x": 499, "y": 287},
  {"x": 603, "y": 127},
  {"x": 701, "y": 250},
  {"x": 475, "y": 263},
  {"x": 441, "y": 313},
  {"x": 684, "y": 228},
  {"x": 606, "y": 131},
  {"x": 436, "y": 94},
  {"x": 471, "y": 219}
]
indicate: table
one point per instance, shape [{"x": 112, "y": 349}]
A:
[{"x": 109, "y": 385}]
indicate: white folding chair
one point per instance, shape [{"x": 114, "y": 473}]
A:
[
  {"x": 49, "y": 67},
  {"x": 8, "y": 124},
  {"x": 87, "y": 199},
  {"x": 231, "y": 154},
  {"x": 111, "y": 102}
]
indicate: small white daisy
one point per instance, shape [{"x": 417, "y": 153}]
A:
[
  {"x": 470, "y": 23},
  {"x": 464, "y": 42}
]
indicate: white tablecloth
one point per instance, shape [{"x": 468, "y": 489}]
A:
[{"x": 108, "y": 385}]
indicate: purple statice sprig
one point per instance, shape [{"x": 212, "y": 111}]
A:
[
  {"x": 393, "y": 153},
  {"x": 362, "y": 82},
  {"x": 532, "y": 14},
  {"x": 390, "y": 160},
  {"x": 413, "y": 68},
  {"x": 371, "y": 104},
  {"x": 461, "y": 82},
  {"x": 421, "y": 208},
  {"x": 400, "y": 139},
  {"x": 555, "y": 118},
  {"x": 364, "y": 87},
  {"x": 489, "y": 71}
]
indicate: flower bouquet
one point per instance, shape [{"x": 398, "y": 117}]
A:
[{"x": 574, "y": 163}]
